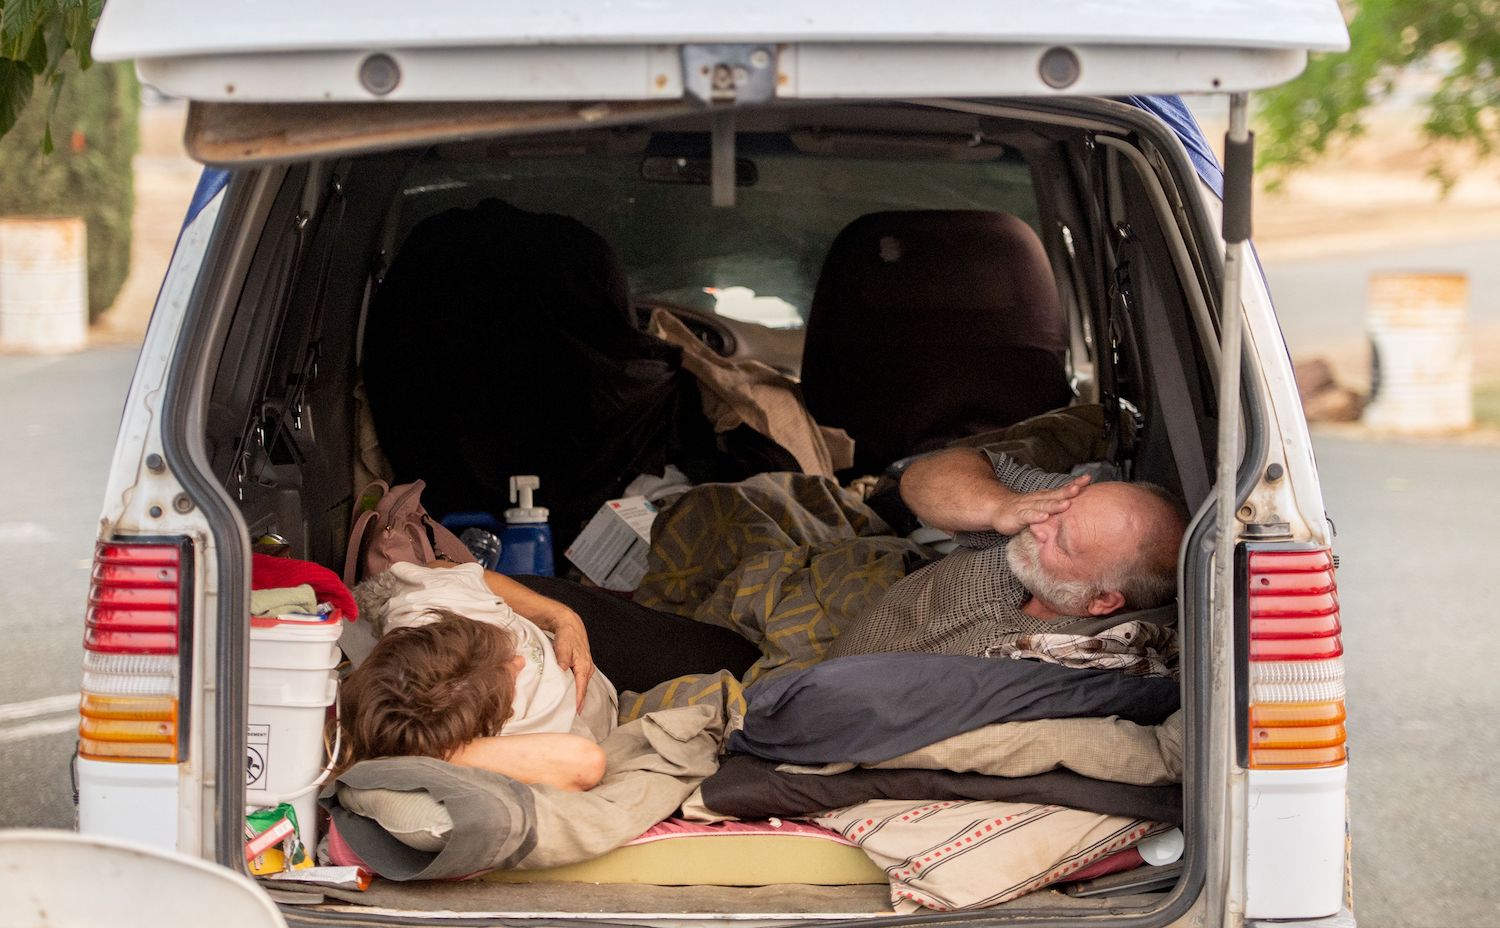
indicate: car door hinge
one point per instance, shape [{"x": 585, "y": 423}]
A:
[{"x": 729, "y": 73}]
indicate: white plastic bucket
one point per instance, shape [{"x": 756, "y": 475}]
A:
[
  {"x": 1422, "y": 370},
  {"x": 44, "y": 289},
  {"x": 292, "y": 684}
]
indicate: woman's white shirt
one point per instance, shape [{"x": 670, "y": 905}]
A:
[{"x": 546, "y": 696}]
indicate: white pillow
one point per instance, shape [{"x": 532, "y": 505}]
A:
[{"x": 412, "y": 817}]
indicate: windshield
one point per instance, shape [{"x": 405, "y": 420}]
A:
[{"x": 757, "y": 261}]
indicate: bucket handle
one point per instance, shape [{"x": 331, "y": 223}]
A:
[{"x": 333, "y": 757}]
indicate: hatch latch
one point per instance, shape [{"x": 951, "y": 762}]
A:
[{"x": 729, "y": 73}]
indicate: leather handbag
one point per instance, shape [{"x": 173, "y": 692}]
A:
[{"x": 391, "y": 527}]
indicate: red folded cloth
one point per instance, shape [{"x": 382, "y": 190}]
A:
[{"x": 272, "y": 573}]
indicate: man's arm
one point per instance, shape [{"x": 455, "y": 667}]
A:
[{"x": 957, "y": 491}]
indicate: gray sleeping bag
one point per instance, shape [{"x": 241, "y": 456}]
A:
[{"x": 418, "y": 818}]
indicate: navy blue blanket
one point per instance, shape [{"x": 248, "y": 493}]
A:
[
  {"x": 749, "y": 787},
  {"x": 872, "y": 707}
]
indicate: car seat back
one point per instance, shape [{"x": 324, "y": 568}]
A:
[
  {"x": 931, "y": 325},
  {"x": 500, "y": 344}
]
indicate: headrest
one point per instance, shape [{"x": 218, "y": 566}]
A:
[
  {"x": 949, "y": 264},
  {"x": 927, "y": 326}
]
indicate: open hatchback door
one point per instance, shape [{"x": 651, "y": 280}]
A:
[
  {"x": 719, "y": 155},
  {"x": 621, "y": 61}
]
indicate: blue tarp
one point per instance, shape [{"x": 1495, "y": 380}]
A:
[
  {"x": 1173, "y": 112},
  {"x": 210, "y": 182}
]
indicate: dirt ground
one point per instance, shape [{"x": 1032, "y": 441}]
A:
[
  {"x": 1374, "y": 194},
  {"x": 1371, "y": 195}
]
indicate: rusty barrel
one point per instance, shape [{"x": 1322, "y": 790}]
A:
[
  {"x": 43, "y": 284},
  {"x": 1421, "y": 380}
]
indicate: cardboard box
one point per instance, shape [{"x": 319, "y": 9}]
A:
[{"x": 611, "y": 549}]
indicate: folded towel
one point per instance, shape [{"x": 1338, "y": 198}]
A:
[
  {"x": 283, "y": 599},
  {"x": 269, "y": 573}
]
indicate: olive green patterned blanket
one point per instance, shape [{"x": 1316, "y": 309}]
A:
[{"x": 783, "y": 559}]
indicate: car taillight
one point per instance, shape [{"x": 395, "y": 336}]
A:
[
  {"x": 1296, "y": 696},
  {"x": 132, "y": 644}
]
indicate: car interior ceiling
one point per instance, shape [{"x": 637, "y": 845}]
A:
[{"x": 282, "y": 415}]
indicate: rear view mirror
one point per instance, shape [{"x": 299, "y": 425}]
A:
[{"x": 674, "y": 169}]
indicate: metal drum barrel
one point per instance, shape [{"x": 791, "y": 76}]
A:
[
  {"x": 1421, "y": 380},
  {"x": 43, "y": 284}
]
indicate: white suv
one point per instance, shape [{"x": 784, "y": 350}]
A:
[{"x": 716, "y": 149}]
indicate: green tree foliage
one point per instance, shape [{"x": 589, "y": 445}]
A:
[
  {"x": 1460, "y": 38},
  {"x": 94, "y": 121},
  {"x": 36, "y": 37},
  {"x": 92, "y": 111}
]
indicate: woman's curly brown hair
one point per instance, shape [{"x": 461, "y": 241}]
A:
[{"x": 427, "y": 690}]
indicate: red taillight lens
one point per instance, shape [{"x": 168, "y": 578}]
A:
[
  {"x": 134, "y": 601},
  {"x": 1294, "y": 606},
  {"x": 1296, "y": 671},
  {"x": 131, "y": 640}
]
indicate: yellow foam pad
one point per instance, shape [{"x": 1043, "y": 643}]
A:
[{"x": 716, "y": 860}]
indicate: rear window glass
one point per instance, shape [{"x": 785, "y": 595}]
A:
[{"x": 757, "y": 260}]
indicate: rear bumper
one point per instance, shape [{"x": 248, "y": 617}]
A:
[{"x": 1344, "y": 919}]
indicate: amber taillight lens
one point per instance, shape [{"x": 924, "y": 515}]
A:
[{"x": 132, "y": 638}]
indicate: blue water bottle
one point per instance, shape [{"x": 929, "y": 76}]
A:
[{"x": 526, "y": 544}]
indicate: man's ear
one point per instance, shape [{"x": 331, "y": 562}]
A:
[{"x": 1107, "y": 603}]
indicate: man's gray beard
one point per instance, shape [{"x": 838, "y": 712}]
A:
[{"x": 1071, "y": 597}]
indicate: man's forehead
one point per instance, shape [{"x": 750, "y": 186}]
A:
[
  {"x": 1100, "y": 507},
  {"x": 1110, "y": 493}
]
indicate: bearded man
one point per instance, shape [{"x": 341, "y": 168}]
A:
[{"x": 1038, "y": 552}]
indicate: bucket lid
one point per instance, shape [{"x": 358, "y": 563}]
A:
[{"x": 297, "y": 626}]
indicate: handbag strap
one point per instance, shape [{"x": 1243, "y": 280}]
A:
[
  {"x": 418, "y": 533},
  {"x": 447, "y": 545},
  {"x": 356, "y": 545}
]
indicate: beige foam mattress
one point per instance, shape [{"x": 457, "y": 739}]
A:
[{"x": 677, "y": 853}]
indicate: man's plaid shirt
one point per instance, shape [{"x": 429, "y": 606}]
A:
[{"x": 968, "y": 602}]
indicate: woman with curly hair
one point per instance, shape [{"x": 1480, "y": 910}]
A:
[{"x": 447, "y": 687}]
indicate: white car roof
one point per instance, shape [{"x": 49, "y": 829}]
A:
[
  {"x": 300, "y": 51},
  {"x": 165, "y": 28}
]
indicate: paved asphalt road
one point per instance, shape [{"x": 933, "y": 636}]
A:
[
  {"x": 58, "y": 416},
  {"x": 1416, "y": 529},
  {"x": 1414, "y": 524}
]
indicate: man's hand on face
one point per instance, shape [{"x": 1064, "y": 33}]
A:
[{"x": 1013, "y": 514}]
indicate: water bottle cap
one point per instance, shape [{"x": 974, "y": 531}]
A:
[{"x": 526, "y": 514}]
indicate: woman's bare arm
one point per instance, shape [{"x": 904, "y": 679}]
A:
[
  {"x": 570, "y": 642},
  {"x": 569, "y": 639},
  {"x": 567, "y": 762}
]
